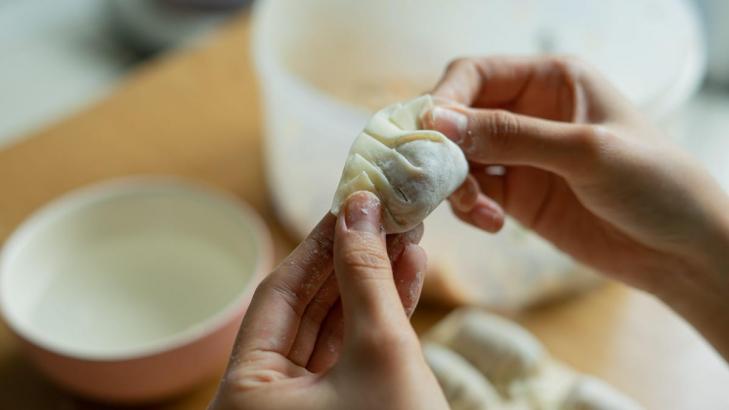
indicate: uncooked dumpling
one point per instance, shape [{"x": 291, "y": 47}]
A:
[
  {"x": 410, "y": 169},
  {"x": 590, "y": 393},
  {"x": 471, "y": 352},
  {"x": 502, "y": 350},
  {"x": 465, "y": 387}
]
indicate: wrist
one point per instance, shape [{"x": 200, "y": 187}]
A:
[
  {"x": 702, "y": 260},
  {"x": 699, "y": 290}
]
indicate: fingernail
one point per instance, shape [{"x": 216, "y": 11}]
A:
[
  {"x": 465, "y": 197},
  {"x": 362, "y": 212},
  {"x": 453, "y": 124},
  {"x": 461, "y": 202}
]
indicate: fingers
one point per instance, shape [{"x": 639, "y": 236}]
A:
[
  {"x": 328, "y": 294},
  {"x": 487, "y": 82},
  {"x": 465, "y": 196},
  {"x": 318, "y": 310},
  {"x": 502, "y": 137},
  {"x": 397, "y": 243},
  {"x": 372, "y": 296},
  {"x": 312, "y": 320},
  {"x": 367, "y": 289},
  {"x": 273, "y": 317},
  {"x": 552, "y": 87},
  {"x": 470, "y": 205},
  {"x": 485, "y": 214},
  {"x": 329, "y": 343},
  {"x": 408, "y": 276},
  {"x": 492, "y": 185}
]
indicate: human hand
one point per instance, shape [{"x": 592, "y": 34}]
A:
[
  {"x": 585, "y": 171},
  {"x": 329, "y": 327}
]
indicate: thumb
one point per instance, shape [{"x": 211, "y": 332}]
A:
[
  {"x": 367, "y": 288},
  {"x": 489, "y": 136}
]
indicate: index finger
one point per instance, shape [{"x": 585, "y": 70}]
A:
[
  {"x": 486, "y": 81},
  {"x": 275, "y": 312},
  {"x": 500, "y": 82}
]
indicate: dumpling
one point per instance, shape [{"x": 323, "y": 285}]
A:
[
  {"x": 464, "y": 387},
  {"x": 410, "y": 169},
  {"x": 502, "y": 350},
  {"x": 481, "y": 359},
  {"x": 590, "y": 393}
]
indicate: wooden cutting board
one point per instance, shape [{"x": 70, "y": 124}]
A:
[{"x": 196, "y": 114}]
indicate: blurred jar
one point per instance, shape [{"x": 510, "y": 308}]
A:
[
  {"x": 325, "y": 65},
  {"x": 151, "y": 26},
  {"x": 716, "y": 20}
]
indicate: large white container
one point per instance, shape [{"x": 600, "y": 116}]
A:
[{"x": 325, "y": 65}]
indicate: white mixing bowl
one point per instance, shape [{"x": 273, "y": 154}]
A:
[{"x": 132, "y": 290}]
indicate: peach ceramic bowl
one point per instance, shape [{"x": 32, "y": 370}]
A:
[{"x": 132, "y": 290}]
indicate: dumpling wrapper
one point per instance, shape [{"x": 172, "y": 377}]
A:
[
  {"x": 507, "y": 354},
  {"x": 411, "y": 170},
  {"x": 464, "y": 387},
  {"x": 590, "y": 393}
]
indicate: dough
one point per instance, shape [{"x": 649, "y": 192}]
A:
[
  {"x": 411, "y": 170},
  {"x": 503, "y": 351},
  {"x": 464, "y": 387},
  {"x": 590, "y": 393},
  {"x": 471, "y": 352},
  {"x": 547, "y": 391}
]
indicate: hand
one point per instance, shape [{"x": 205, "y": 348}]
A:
[
  {"x": 313, "y": 339},
  {"x": 585, "y": 171}
]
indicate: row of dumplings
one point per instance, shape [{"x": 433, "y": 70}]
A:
[{"x": 485, "y": 362}]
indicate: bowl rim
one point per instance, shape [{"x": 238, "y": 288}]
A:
[
  {"x": 132, "y": 186},
  {"x": 659, "y": 105}
]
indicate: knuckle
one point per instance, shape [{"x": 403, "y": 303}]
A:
[
  {"x": 320, "y": 240},
  {"x": 270, "y": 282},
  {"x": 571, "y": 68},
  {"x": 566, "y": 63},
  {"x": 592, "y": 144},
  {"x": 366, "y": 257},
  {"x": 591, "y": 139},
  {"x": 254, "y": 372},
  {"x": 388, "y": 345},
  {"x": 574, "y": 76},
  {"x": 460, "y": 63},
  {"x": 274, "y": 285},
  {"x": 505, "y": 122},
  {"x": 500, "y": 126},
  {"x": 252, "y": 380},
  {"x": 266, "y": 284}
]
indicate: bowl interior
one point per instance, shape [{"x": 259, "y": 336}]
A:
[
  {"x": 375, "y": 52},
  {"x": 124, "y": 270}
]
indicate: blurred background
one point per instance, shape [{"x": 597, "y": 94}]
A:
[
  {"x": 669, "y": 57},
  {"x": 58, "y": 57},
  {"x": 315, "y": 76}
]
